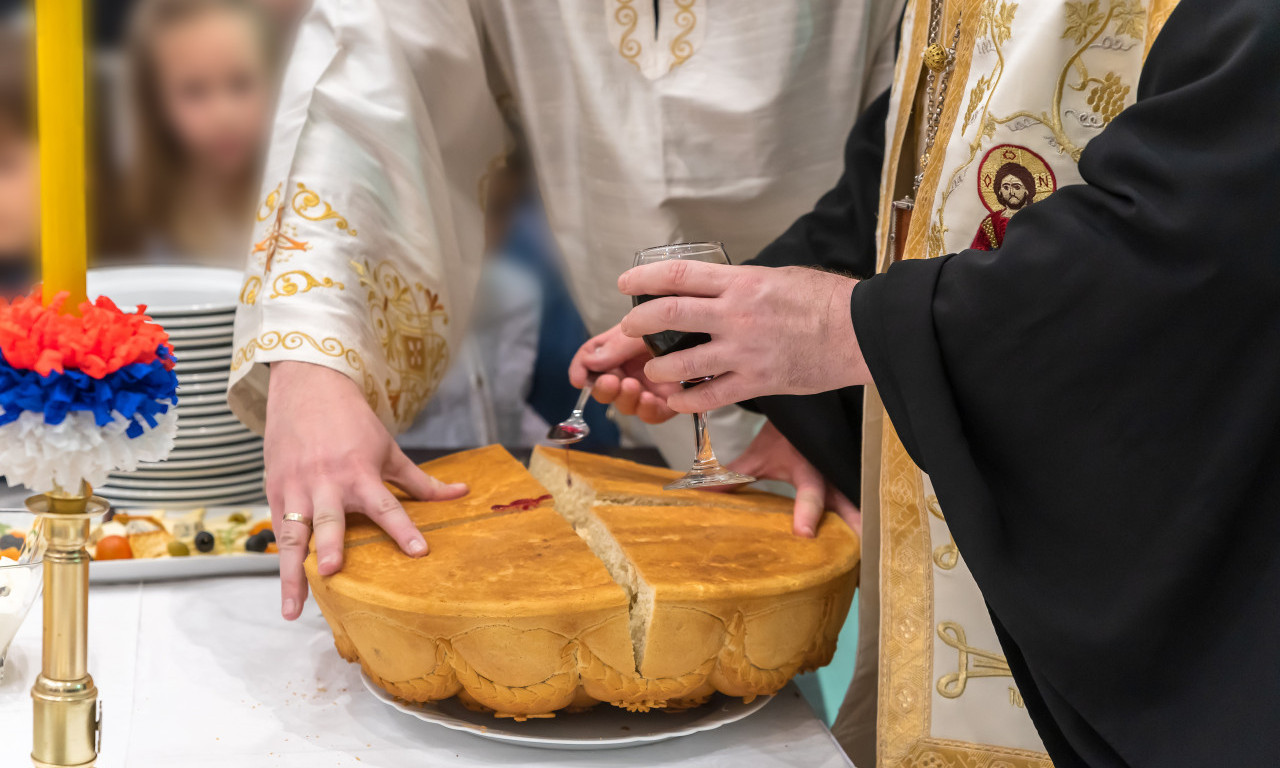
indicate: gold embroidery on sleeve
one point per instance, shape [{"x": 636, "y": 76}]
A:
[
  {"x": 305, "y": 201},
  {"x": 277, "y": 240},
  {"x": 249, "y": 291},
  {"x": 268, "y": 206},
  {"x": 405, "y": 317},
  {"x": 297, "y": 281},
  {"x": 269, "y": 340},
  {"x": 328, "y": 346},
  {"x": 282, "y": 237}
]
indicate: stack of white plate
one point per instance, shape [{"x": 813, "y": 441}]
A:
[{"x": 215, "y": 460}]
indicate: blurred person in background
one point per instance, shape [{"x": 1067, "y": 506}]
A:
[
  {"x": 202, "y": 81},
  {"x": 286, "y": 14},
  {"x": 19, "y": 167}
]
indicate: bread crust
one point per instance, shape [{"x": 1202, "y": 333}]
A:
[{"x": 514, "y": 613}]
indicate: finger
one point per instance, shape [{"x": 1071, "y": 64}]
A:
[
  {"x": 678, "y": 277},
  {"x": 810, "y": 495},
  {"x": 628, "y": 400},
  {"x": 578, "y": 370},
  {"x": 607, "y": 388},
  {"x": 673, "y": 313},
  {"x": 847, "y": 510},
  {"x": 709, "y": 395},
  {"x": 328, "y": 523},
  {"x": 406, "y": 476},
  {"x": 292, "y": 539},
  {"x": 687, "y": 365},
  {"x": 653, "y": 409},
  {"x": 382, "y": 507},
  {"x": 607, "y": 351},
  {"x": 751, "y": 463}
]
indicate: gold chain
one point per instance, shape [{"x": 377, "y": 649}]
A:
[{"x": 940, "y": 62}]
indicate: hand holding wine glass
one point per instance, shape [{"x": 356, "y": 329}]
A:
[
  {"x": 771, "y": 331},
  {"x": 706, "y": 471}
]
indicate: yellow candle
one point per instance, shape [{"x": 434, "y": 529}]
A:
[{"x": 60, "y": 63}]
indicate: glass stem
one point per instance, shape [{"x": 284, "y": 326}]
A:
[{"x": 705, "y": 458}]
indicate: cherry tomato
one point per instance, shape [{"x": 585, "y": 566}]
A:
[{"x": 114, "y": 548}]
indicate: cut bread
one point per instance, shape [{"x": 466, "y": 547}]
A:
[
  {"x": 718, "y": 572},
  {"x": 646, "y": 605},
  {"x": 607, "y": 480}
]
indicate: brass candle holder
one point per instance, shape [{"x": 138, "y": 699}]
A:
[{"x": 68, "y": 724}]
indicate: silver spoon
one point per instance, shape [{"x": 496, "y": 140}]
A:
[{"x": 574, "y": 428}]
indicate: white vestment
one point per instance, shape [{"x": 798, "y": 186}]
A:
[{"x": 711, "y": 120}]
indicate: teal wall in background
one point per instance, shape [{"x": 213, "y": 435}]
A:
[{"x": 825, "y": 688}]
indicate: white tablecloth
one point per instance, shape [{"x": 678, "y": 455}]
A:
[{"x": 205, "y": 673}]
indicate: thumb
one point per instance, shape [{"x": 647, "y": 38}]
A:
[
  {"x": 406, "y": 476},
  {"x": 611, "y": 349}
]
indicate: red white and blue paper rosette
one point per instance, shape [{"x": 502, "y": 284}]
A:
[{"x": 82, "y": 395}]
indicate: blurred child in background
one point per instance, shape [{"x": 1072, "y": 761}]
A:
[
  {"x": 19, "y": 167},
  {"x": 203, "y": 76},
  {"x": 286, "y": 14}
]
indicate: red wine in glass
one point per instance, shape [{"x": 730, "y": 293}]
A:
[{"x": 666, "y": 342}]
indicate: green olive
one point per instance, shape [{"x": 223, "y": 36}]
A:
[
  {"x": 238, "y": 518},
  {"x": 178, "y": 549}
]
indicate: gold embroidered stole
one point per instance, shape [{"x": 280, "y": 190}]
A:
[{"x": 946, "y": 696}]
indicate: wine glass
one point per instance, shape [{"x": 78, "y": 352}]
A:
[{"x": 706, "y": 470}]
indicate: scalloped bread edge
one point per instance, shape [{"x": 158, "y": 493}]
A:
[{"x": 581, "y": 677}]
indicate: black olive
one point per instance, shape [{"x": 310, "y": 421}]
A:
[
  {"x": 9, "y": 541},
  {"x": 204, "y": 541},
  {"x": 256, "y": 543},
  {"x": 268, "y": 535}
]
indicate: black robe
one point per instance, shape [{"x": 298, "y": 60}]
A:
[
  {"x": 1098, "y": 406},
  {"x": 838, "y": 234}
]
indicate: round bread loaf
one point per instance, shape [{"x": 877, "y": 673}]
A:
[{"x": 614, "y": 591}]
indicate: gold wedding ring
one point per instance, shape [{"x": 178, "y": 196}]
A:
[{"x": 297, "y": 518}]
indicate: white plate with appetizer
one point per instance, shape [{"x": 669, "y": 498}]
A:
[{"x": 155, "y": 545}]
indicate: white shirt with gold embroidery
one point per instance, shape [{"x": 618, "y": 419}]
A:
[{"x": 707, "y": 120}]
